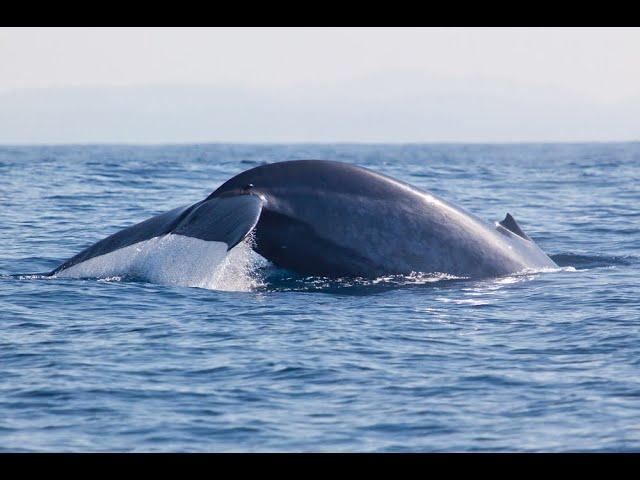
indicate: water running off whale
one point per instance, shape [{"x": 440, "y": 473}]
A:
[{"x": 313, "y": 217}]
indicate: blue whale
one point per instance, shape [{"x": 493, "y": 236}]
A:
[{"x": 332, "y": 219}]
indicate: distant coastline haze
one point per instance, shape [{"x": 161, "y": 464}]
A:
[{"x": 318, "y": 85}]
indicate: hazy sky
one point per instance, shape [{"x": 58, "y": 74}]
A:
[{"x": 596, "y": 68}]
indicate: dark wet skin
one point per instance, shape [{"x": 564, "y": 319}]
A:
[{"x": 334, "y": 219}]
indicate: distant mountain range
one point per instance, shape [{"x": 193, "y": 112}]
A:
[{"x": 389, "y": 108}]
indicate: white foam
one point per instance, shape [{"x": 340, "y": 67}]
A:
[
  {"x": 176, "y": 260},
  {"x": 417, "y": 278}
]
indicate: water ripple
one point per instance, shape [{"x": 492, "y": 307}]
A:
[{"x": 543, "y": 360}]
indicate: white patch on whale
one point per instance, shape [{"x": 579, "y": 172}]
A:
[{"x": 176, "y": 260}]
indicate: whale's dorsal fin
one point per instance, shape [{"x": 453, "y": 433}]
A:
[{"x": 510, "y": 224}]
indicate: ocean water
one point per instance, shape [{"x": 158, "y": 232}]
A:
[{"x": 259, "y": 359}]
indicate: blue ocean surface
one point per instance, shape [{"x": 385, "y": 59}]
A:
[{"x": 271, "y": 361}]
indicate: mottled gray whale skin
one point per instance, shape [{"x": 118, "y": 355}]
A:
[{"x": 319, "y": 217}]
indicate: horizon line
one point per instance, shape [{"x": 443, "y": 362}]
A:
[{"x": 345, "y": 143}]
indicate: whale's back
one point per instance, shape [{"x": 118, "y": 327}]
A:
[{"x": 336, "y": 219}]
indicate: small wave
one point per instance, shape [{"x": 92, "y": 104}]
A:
[
  {"x": 530, "y": 272},
  {"x": 283, "y": 280},
  {"x": 242, "y": 269},
  {"x": 165, "y": 260},
  {"x": 115, "y": 278},
  {"x": 592, "y": 261},
  {"x": 28, "y": 276}
]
